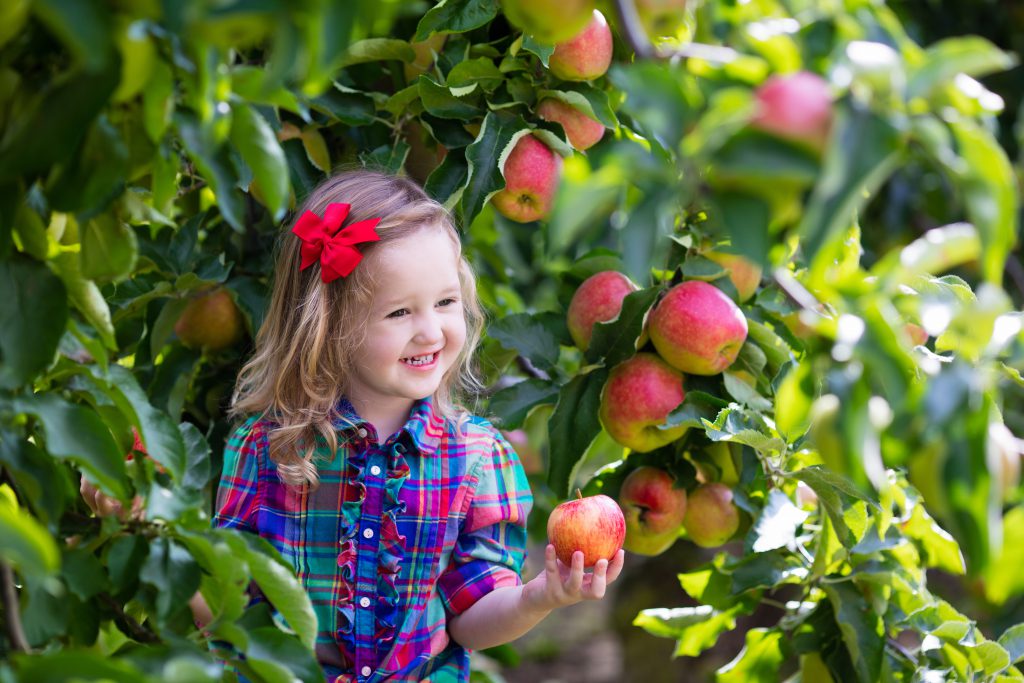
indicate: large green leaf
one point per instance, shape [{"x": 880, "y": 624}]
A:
[
  {"x": 94, "y": 176},
  {"x": 512, "y": 404},
  {"x": 109, "y": 249},
  {"x": 439, "y": 101},
  {"x": 170, "y": 569},
  {"x": 573, "y": 426},
  {"x": 863, "y": 630},
  {"x": 835, "y": 493},
  {"x": 530, "y": 335},
  {"x": 214, "y": 162},
  {"x": 777, "y": 525},
  {"x": 695, "y": 628},
  {"x": 456, "y": 16},
  {"x": 486, "y": 157},
  {"x": 33, "y": 316},
  {"x": 24, "y": 542},
  {"x": 864, "y": 150},
  {"x": 377, "y": 49},
  {"x": 971, "y": 55},
  {"x": 759, "y": 660},
  {"x": 990, "y": 190},
  {"x": 84, "y": 26},
  {"x": 77, "y": 433},
  {"x": 258, "y": 145}
]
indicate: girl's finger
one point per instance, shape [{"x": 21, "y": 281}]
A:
[
  {"x": 550, "y": 562},
  {"x": 575, "y": 579},
  {"x": 615, "y": 568},
  {"x": 598, "y": 581}
]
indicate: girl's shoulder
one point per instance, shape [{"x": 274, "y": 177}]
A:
[
  {"x": 477, "y": 435},
  {"x": 250, "y": 435}
]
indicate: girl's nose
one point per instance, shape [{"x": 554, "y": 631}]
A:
[{"x": 430, "y": 330}]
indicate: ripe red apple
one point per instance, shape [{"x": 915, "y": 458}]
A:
[
  {"x": 585, "y": 56},
  {"x": 638, "y": 396},
  {"x": 795, "y": 106},
  {"x": 711, "y": 517},
  {"x": 532, "y": 172},
  {"x": 583, "y": 132},
  {"x": 654, "y": 509},
  {"x": 917, "y": 334},
  {"x": 210, "y": 321},
  {"x": 697, "y": 328},
  {"x": 424, "y": 51},
  {"x": 744, "y": 273},
  {"x": 594, "y": 525},
  {"x": 548, "y": 22},
  {"x": 598, "y": 299}
]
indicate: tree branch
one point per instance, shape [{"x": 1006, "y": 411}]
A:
[{"x": 12, "y": 612}]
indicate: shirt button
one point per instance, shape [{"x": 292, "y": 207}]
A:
[
  {"x": 365, "y": 602},
  {"x": 375, "y": 470},
  {"x": 362, "y": 433},
  {"x": 366, "y": 671},
  {"x": 367, "y": 533}
]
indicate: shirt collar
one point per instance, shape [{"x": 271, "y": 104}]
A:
[{"x": 424, "y": 428}]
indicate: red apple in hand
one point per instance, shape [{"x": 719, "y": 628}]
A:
[
  {"x": 711, "y": 517},
  {"x": 637, "y": 398},
  {"x": 585, "y": 56},
  {"x": 654, "y": 509},
  {"x": 697, "y": 328},
  {"x": 593, "y": 525},
  {"x": 532, "y": 172},
  {"x": 796, "y": 106},
  {"x": 598, "y": 299}
]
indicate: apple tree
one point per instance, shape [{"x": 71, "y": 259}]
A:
[{"x": 794, "y": 212}]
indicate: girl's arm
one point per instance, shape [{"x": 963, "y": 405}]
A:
[{"x": 507, "y": 613}]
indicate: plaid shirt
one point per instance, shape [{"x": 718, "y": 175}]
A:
[{"x": 398, "y": 537}]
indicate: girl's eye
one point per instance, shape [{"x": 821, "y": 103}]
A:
[
  {"x": 446, "y": 302},
  {"x": 397, "y": 314}
]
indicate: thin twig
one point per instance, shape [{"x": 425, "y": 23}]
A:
[
  {"x": 12, "y": 610},
  {"x": 135, "y": 629}
]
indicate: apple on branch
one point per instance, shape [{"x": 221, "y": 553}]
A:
[
  {"x": 585, "y": 56},
  {"x": 593, "y": 525},
  {"x": 532, "y": 172},
  {"x": 711, "y": 517},
  {"x": 744, "y": 274},
  {"x": 636, "y": 400},
  {"x": 697, "y": 329},
  {"x": 598, "y": 299},
  {"x": 796, "y": 106},
  {"x": 654, "y": 508},
  {"x": 548, "y": 22},
  {"x": 583, "y": 132},
  {"x": 210, "y": 321}
]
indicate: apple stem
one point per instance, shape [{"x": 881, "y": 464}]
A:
[{"x": 579, "y": 495}]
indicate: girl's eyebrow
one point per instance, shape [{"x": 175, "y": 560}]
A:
[{"x": 396, "y": 301}]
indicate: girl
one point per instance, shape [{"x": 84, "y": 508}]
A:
[{"x": 403, "y": 516}]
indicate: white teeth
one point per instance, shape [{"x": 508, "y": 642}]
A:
[{"x": 420, "y": 360}]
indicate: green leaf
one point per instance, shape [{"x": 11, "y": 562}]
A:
[
  {"x": 793, "y": 400},
  {"x": 1012, "y": 641},
  {"x": 573, "y": 426},
  {"x": 989, "y": 187},
  {"x": 468, "y": 74},
  {"x": 33, "y": 316},
  {"x": 588, "y": 99},
  {"x": 86, "y": 296},
  {"x": 197, "y": 454},
  {"x": 278, "y": 583},
  {"x": 377, "y": 50},
  {"x": 744, "y": 393},
  {"x": 863, "y": 630},
  {"x": 170, "y": 569},
  {"x": 486, "y": 157},
  {"x": 258, "y": 145},
  {"x": 512, "y": 404},
  {"x": 69, "y": 665},
  {"x": 696, "y": 628},
  {"x": 766, "y": 570},
  {"x": 542, "y": 50},
  {"x": 762, "y": 161},
  {"x": 446, "y": 182},
  {"x": 270, "y": 645},
  {"x": 439, "y": 101},
  {"x": 940, "y": 549},
  {"x": 530, "y": 336},
  {"x": 390, "y": 158},
  {"x": 777, "y": 525},
  {"x": 745, "y": 219},
  {"x": 43, "y": 482},
  {"x": 24, "y": 542},
  {"x": 655, "y": 99},
  {"x": 834, "y": 493},
  {"x": 1003, "y": 577},
  {"x": 83, "y": 26},
  {"x": 109, "y": 249},
  {"x": 943, "y": 60},
  {"x": 615, "y": 340},
  {"x": 864, "y": 150},
  {"x": 84, "y": 573},
  {"x": 456, "y": 16},
  {"x": 213, "y": 161},
  {"x": 759, "y": 660},
  {"x": 77, "y": 433},
  {"x": 94, "y": 176}
]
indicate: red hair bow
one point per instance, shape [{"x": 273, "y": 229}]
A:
[{"x": 336, "y": 251}]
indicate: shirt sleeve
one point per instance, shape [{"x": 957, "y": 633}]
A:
[
  {"x": 491, "y": 547},
  {"x": 238, "y": 494}
]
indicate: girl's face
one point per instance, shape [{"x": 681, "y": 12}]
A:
[{"x": 416, "y": 327}]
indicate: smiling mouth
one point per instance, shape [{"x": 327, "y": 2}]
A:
[{"x": 419, "y": 361}]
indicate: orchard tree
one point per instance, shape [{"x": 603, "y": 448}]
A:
[{"x": 681, "y": 214}]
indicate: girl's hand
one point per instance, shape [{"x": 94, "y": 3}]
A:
[
  {"x": 560, "y": 585},
  {"x": 103, "y": 505}
]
